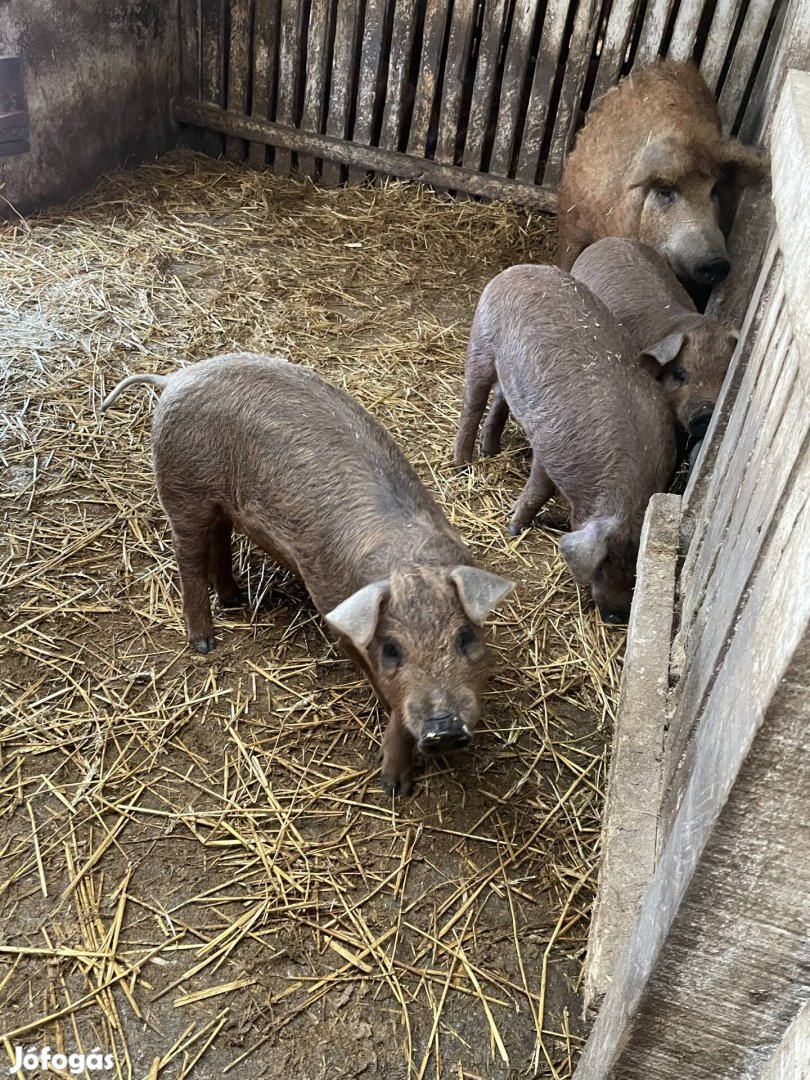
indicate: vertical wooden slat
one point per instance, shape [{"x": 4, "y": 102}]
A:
[
  {"x": 190, "y": 49},
  {"x": 514, "y": 74},
  {"x": 402, "y": 37},
  {"x": 717, "y": 39},
  {"x": 287, "y": 72},
  {"x": 455, "y": 69},
  {"x": 314, "y": 104},
  {"x": 342, "y": 80},
  {"x": 212, "y": 65},
  {"x": 265, "y": 30},
  {"x": 238, "y": 72},
  {"x": 548, "y": 58},
  {"x": 652, "y": 31},
  {"x": 432, "y": 39},
  {"x": 484, "y": 85},
  {"x": 742, "y": 63},
  {"x": 617, "y": 35},
  {"x": 684, "y": 31},
  {"x": 369, "y": 74},
  {"x": 582, "y": 37}
]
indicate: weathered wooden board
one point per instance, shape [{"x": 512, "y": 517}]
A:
[
  {"x": 189, "y": 49},
  {"x": 265, "y": 29},
  {"x": 313, "y": 110},
  {"x": 484, "y": 84},
  {"x": 402, "y": 40},
  {"x": 545, "y": 70},
  {"x": 742, "y": 61},
  {"x": 370, "y": 62},
  {"x": 288, "y": 46},
  {"x": 371, "y": 158},
  {"x": 337, "y": 120},
  {"x": 238, "y": 71},
  {"x": 514, "y": 74},
  {"x": 212, "y": 64},
  {"x": 458, "y": 54},
  {"x": 427, "y": 81}
]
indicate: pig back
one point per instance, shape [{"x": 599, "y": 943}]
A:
[
  {"x": 301, "y": 468},
  {"x": 636, "y": 285},
  {"x": 598, "y": 422}
]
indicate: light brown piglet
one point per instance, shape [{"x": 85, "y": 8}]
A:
[
  {"x": 687, "y": 352},
  {"x": 310, "y": 477},
  {"x": 599, "y": 425}
]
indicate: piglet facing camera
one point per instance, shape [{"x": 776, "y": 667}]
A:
[{"x": 267, "y": 447}]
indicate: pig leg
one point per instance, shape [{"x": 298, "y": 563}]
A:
[
  {"x": 397, "y": 757},
  {"x": 538, "y": 490},
  {"x": 479, "y": 376},
  {"x": 494, "y": 424},
  {"x": 192, "y": 553},
  {"x": 220, "y": 566}
]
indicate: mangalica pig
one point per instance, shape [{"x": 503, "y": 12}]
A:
[
  {"x": 267, "y": 447},
  {"x": 651, "y": 164},
  {"x": 599, "y": 425},
  {"x": 688, "y": 353}
]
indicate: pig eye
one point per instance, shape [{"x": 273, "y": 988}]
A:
[
  {"x": 679, "y": 375},
  {"x": 466, "y": 637},
  {"x": 664, "y": 195},
  {"x": 392, "y": 652}
]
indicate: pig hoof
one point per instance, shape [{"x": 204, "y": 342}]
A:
[
  {"x": 203, "y": 644},
  {"x": 516, "y": 528},
  {"x": 396, "y": 785}
]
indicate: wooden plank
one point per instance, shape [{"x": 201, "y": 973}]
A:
[
  {"x": 791, "y": 159},
  {"x": 314, "y": 107},
  {"x": 432, "y": 41},
  {"x": 402, "y": 39},
  {"x": 237, "y": 98},
  {"x": 212, "y": 65},
  {"x": 630, "y": 822},
  {"x": 455, "y": 70},
  {"x": 484, "y": 84},
  {"x": 576, "y": 69},
  {"x": 695, "y": 498},
  {"x": 684, "y": 32},
  {"x": 265, "y": 29},
  {"x": 656, "y": 18},
  {"x": 287, "y": 73},
  {"x": 717, "y": 41},
  {"x": 716, "y": 943},
  {"x": 788, "y": 48},
  {"x": 371, "y": 158},
  {"x": 792, "y": 1055},
  {"x": 742, "y": 63},
  {"x": 337, "y": 120},
  {"x": 746, "y": 520},
  {"x": 370, "y": 58},
  {"x": 554, "y": 22},
  {"x": 614, "y": 47},
  {"x": 514, "y": 75},
  {"x": 190, "y": 49}
]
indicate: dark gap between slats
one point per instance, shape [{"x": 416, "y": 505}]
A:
[
  {"x": 528, "y": 79},
  {"x": 702, "y": 32},
  {"x": 409, "y": 96},
  {"x": 432, "y": 138},
  {"x": 492, "y": 120},
  {"x": 635, "y": 38},
  {"x": 757, "y": 67},
  {"x": 468, "y": 84},
  {"x": 669, "y": 29},
  {"x": 556, "y": 92}
]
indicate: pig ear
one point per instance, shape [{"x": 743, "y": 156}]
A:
[
  {"x": 585, "y": 549},
  {"x": 479, "y": 590},
  {"x": 356, "y": 618},
  {"x": 663, "y": 352},
  {"x": 741, "y": 165},
  {"x": 660, "y": 158}
]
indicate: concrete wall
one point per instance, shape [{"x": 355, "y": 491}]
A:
[{"x": 98, "y": 78}]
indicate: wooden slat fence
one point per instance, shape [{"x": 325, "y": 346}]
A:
[{"x": 481, "y": 96}]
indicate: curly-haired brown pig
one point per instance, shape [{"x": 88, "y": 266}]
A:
[
  {"x": 310, "y": 477},
  {"x": 690, "y": 353},
  {"x": 600, "y": 428},
  {"x": 651, "y": 164}
]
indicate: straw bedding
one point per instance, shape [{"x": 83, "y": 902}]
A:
[{"x": 198, "y": 870}]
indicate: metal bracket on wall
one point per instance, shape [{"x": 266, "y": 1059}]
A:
[{"x": 14, "y": 128}]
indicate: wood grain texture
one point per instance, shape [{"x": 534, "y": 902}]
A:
[
  {"x": 656, "y": 17},
  {"x": 337, "y": 119},
  {"x": 717, "y": 41},
  {"x": 189, "y": 49},
  {"x": 289, "y": 16},
  {"x": 370, "y": 61},
  {"x": 545, "y": 70},
  {"x": 265, "y": 30},
  {"x": 455, "y": 69},
  {"x": 743, "y": 58},
  {"x": 426, "y": 83},
  {"x": 238, "y": 71},
  {"x": 314, "y": 107},
  {"x": 484, "y": 84},
  {"x": 630, "y": 822},
  {"x": 402, "y": 40},
  {"x": 514, "y": 74}
]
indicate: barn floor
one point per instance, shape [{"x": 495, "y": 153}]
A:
[{"x": 198, "y": 871}]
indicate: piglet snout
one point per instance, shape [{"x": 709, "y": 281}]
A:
[
  {"x": 699, "y": 422},
  {"x": 713, "y": 270},
  {"x": 444, "y": 732}
]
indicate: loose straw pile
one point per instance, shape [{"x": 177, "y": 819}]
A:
[{"x": 198, "y": 871}]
